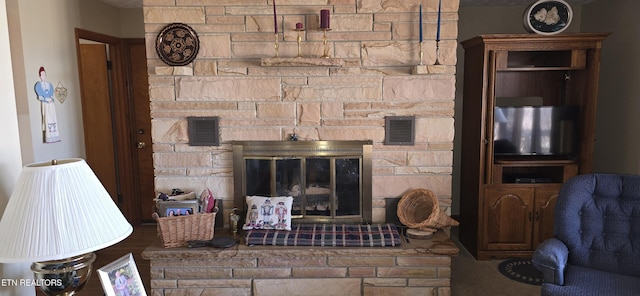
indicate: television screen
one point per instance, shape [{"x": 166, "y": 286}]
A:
[{"x": 539, "y": 130}]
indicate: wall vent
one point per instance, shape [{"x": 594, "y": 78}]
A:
[
  {"x": 203, "y": 131},
  {"x": 399, "y": 130}
]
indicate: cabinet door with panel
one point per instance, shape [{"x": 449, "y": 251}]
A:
[
  {"x": 545, "y": 202},
  {"x": 508, "y": 214}
]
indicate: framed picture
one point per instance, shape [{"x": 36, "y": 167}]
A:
[
  {"x": 177, "y": 207},
  {"x": 121, "y": 278}
]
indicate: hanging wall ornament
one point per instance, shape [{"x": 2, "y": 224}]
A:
[
  {"x": 177, "y": 44},
  {"x": 61, "y": 92}
]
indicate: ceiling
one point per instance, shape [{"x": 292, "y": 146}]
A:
[{"x": 138, "y": 3}]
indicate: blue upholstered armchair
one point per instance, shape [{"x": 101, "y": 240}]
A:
[{"x": 596, "y": 244}]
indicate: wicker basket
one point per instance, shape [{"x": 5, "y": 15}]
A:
[
  {"x": 420, "y": 209},
  {"x": 176, "y": 231}
]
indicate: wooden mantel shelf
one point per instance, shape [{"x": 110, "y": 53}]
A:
[{"x": 301, "y": 62}]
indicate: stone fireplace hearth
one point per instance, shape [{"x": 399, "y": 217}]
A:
[{"x": 330, "y": 181}]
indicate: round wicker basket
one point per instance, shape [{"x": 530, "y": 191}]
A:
[{"x": 420, "y": 209}]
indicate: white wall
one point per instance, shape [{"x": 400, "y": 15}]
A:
[
  {"x": 10, "y": 154},
  {"x": 44, "y": 35},
  {"x": 53, "y": 47},
  {"x": 618, "y": 143}
]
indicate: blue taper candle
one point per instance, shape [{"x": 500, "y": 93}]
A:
[
  {"x": 439, "y": 12},
  {"x": 420, "y": 22}
]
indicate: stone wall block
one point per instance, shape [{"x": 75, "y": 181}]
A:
[
  {"x": 419, "y": 88},
  {"x": 352, "y": 22},
  {"x": 261, "y": 273},
  {"x": 165, "y": 15},
  {"x": 375, "y": 134},
  {"x": 198, "y": 273},
  {"x": 322, "y": 272},
  {"x": 214, "y": 46},
  {"x": 408, "y": 272},
  {"x": 384, "y": 282},
  {"x": 161, "y": 93},
  {"x": 361, "y": 261},
  {"x": 231, "y": 89},
  {"x": 250, "y": 134},
  {"x": 182, "y": 159},
  {"x": 396, "y": 186},
  {"x": 332, "y": 93},
  {"x": 219, "y": 2},
  {"x": 430, "y": 158},
  {"x": 292, "y": 261},
  {"x": 332, "y": 110},
  {"x": 399, "y": 291},
  {"x": 332, "y": 286},
  {"x": 379, "y": 53},
  {"x": 169, "y": 131},
  {"x": 444, "y": 261},
  {"x": 434, "y": 129},
  {"x": 361, "y": 272},
  {"x": 309, "y": 114},
  {"x": 275, "y": 110}
]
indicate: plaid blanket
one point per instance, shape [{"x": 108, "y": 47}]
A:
[{"x": 327, "y": 235}]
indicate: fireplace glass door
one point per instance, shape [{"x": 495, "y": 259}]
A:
[
  {"x": 330, "y": 181},
  {"x": 328, "y": 187}
]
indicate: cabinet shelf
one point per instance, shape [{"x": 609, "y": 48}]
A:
[
  {"x": 534, "y": 162},
  {"x": 532, "y": 69}
]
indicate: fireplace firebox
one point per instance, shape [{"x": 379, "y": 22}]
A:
[{"x": 330, "y": 181}]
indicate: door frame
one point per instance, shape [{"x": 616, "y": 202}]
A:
[{"x": 127, "y": 199}]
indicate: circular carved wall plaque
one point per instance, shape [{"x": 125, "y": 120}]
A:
[{"x": 177, "y": 44}]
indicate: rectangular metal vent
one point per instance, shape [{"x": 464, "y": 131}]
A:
[
  {"x": 399, "y": 130},
  {"x": 203, "y": 131}
]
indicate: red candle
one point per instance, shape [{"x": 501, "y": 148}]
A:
[
  {"x": 299, "y": 26},
  {"x": 275, "y": 17},
  {"x": 324, "y": 19}
]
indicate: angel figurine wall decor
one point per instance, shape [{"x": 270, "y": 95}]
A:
[{"x": 45, "y": 91}]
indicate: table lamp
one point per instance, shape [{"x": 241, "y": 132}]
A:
[{"x": 57, "y": 216}]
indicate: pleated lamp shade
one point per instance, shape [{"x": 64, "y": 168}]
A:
[{"x": 59, "y": 211}]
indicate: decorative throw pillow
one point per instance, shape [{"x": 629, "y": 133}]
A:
[{"x": 268, "y": 212}]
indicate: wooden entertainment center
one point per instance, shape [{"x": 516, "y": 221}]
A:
[{"x": 507, "y": 200}]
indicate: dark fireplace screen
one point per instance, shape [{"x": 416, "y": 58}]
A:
[{"x": 326, "y": 186}]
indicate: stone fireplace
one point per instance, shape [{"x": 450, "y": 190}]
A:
[
  {"x": 330, "y": 181},
  {"x": 376, "y": 45},
  {"x": 373, "y": 46}
]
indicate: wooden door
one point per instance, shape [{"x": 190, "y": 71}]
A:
[
  {"x": 139, "y": 93},
  {"x": 545, "y": 203},
  {"x": 507, "y": 218},
  {"x": 97, "y": 115},
  {"x": 108, "y": 116}
]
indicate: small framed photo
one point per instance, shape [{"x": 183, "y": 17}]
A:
[
  {"x": 177, "y": 207},
  {"x": 121, "y": 278}
]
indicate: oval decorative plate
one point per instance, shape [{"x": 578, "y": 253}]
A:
[
  {"x": 177, "y": 44},
  {"x": 547, "y": 17}
]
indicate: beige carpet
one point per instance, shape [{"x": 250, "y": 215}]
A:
[{"x": 470, "y": 277}]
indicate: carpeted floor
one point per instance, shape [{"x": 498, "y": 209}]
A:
[{"x": 470, "y": 277}]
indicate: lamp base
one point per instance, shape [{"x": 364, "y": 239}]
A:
[{"x": 65, "y": 276}]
